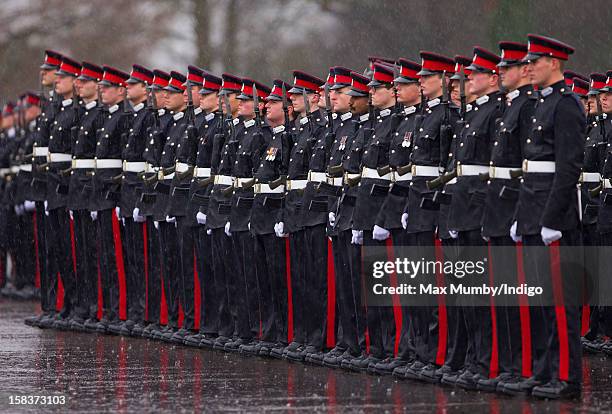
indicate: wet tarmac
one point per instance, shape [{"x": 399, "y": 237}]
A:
[{"x": 98, "y": 373}]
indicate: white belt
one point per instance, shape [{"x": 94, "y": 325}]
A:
[
  {"x": 335, "y": 181},
  {"x": 265, "y": 189},
  {"x": 83, "y": 164},
  {"x": 181, "y": 167},
  {"x": 40, "y": 151},
  {"x": 5, "y": 171},
  {"x": 425, "y": 171},
  {"x": 607, "y": 183},
  {"x": 58, "y": 157},
  {"x": 372, "y": 173},
  {"x": 224, "y": 180},
  {"x": 501, "y": 173},
  {"x": 108, "y": 163},
  {"x": 405, "y": 177},
  {"x": 318, "y": 177},
  {"x": 26, "y": 167},
  {"x": 134, "y": 166},
  {"x": 240, "y": 182},
  {"x": 14, "y": 169},
  {"x": 547, "y": 167},
  {"x": 350, "y": 176},
  {"x": 467, "y": 170},
  {"x": 296, "y": 184},
  {"x": 201, "y": 172},
  {"x": 590, "y": 177},
  {"x": 169, "y": 176},
  {"x": 453, "y": 181}
]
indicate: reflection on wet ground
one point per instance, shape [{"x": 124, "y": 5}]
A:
[{"x": 107, "y": 373}]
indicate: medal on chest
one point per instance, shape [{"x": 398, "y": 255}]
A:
[
  {"x": 407, "y": 139},
  {"x": 271, "y": 153},
  {"x": 343, "y": 140}
]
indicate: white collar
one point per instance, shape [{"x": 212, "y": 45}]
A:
[
  {"x": 113, "y": 109},
  {"x": 304, "y": 120},
  {"x": 249, "y": 123},
  {"x": 334, "y": 115},
  {"x": 209, "y": 116},
  {"x": 32, "y": 124},
  {"x": 161, "y": 111},
  {"x": 468, "y": 107},
  {"x": 546, "y": 91},
  {"x": 433, "y": 102},
  {"x": 513, "y": 95},
  {"x": 482, "y": 100},
  {"x": 410, "y": 110},
  {"x": 178, "y": 115},
  {"x": 346, "y": 116},
  {"x": 67, "y": 102},
  {"x": 197, "y": 111},
  {"x": 138, "y": 107},
  {"x": 90, "y": 105},
  {"x": 280, "y": 128},
  {"x": 235, "y": 121},
  {"x": 385, "y": 112},
  {"x": 364, "y": 117}
]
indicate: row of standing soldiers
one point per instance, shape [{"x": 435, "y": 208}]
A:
[{"x": 241, "y": 212}]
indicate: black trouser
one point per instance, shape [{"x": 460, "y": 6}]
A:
[
  {"x": 187, "y": 277},
  {"x": 315, "y": 305},
  {"x": 108, "y": 265},
  {"x": 272, "y": 281},
  {"x": 297, "y": 250},
  {"x": 555, "y": 330},
  {"x": 154, "y": 273},
  {"x": 168, "y": 244},
  {"x": 600, "y": 322},
  {"x": 59, "y": 256},
  {"x": 86, "y": 262},
  {"x": 351, "y": 312},
  {"x": 407, "y": 349},
  {"x": 25, "y": 265},
  {"x": 48, "y": 281},
  {"x": 209, "y": 300},
  {"x": 133, "y": 250},
  {"x": 245, "y": 309},
  {"x": 225, "y": 272},
  {"x": 380, "y": 319}
]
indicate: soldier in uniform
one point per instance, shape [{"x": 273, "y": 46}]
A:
[
  {"x": 547, "y": 214},
  {"x": 7, "y": 140},
  {"x": 58, "y": 180},
  {"x": 80, "y": 191},
  {"x": 106, "y": 191}
]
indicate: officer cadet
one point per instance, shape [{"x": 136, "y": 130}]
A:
[
  {"x": 186, "y": 152},
  {"x": 145, "y": 202},
  {"x": 133, "y": 146},
  {"x": 199, "y": 196},
  {"x": 270, "y": 253},
  {"x": 500, "y": 204},
  {"x": 389, "y": 215},
  {"x": 547, "y": 213},
  {"x": 590, "y": 179},
  {"x": 7, "y": 139},
  {"x": 371, "y": 192},
  {"x": 90, "y": 118},
  {"x": 431, "y": 139},
  {"x": 467, "y": 204},
  {"x": 305, "y": 218},
  {"x": 217, "y": 213},
  {"x": 49, "y": 108},
  {"x": 105, "y": 190},
  {"x": 59, "y": 160},
  {"x": 581, "y": 88},
  {"x": 168, "y": 238},
  {"x": 348, "y": 255}
]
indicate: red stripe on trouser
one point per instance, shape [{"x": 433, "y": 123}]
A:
[
  {"x": 73, "y": 246},
  {"x": 557, "y": 282},
  {"x": 163, "y": 310},
  {"x": 100, "y": 296},
  {"x": 442, "y": 316},
  {"x": 397, "y": 308},
  {"x": 364, "y": 298},
  {"x": 494, "y": 363},
  {"x": 526, "y": 370},
  {"x": 120, "y": 267},
  {"x": 331, "y": 297},
  {"x": 146, "y": 268},
  {"x": 586, "y": 316},
  {"x": 36, "y": 255},
  {"x": 289, "y": 291},
  {"x": 59, "y": 299},
  {"x": 197, "y": 299}
]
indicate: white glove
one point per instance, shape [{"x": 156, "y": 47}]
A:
[
  {"x": 117, "y": 211},
  {"x": 404, "y": 220},
  {"x": 137, "y": 217},
  {"x": 170, "y": 219},
  {"x": 332, "y": 218},
  {"x": 123, "y": 221},
  {"x": 18, "y": 209},
  {"x": 29, "y": 205},
  {"x": 513, "y": 235},
  {"x": 156, "y": 224},
  {"x": 249, "y": 225},
  {"x": 228, "y": 233},
  {"x": 208, "y": 232},
  {"x": 279, "y": 229},
  {"x": 46, "y": 208},
  {"x": 550, "y": 235},
  {"x": 71, "y": 213},
  {"x": 201, "y": 218},
  {"x": 380, "y": 234},
  {"x": 357, "y": 237},
  {"x": 453, "y": 233},
  {"x": 94, "y": 215}
]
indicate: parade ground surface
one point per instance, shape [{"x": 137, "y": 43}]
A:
[{"x": 99, "y": 373}]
